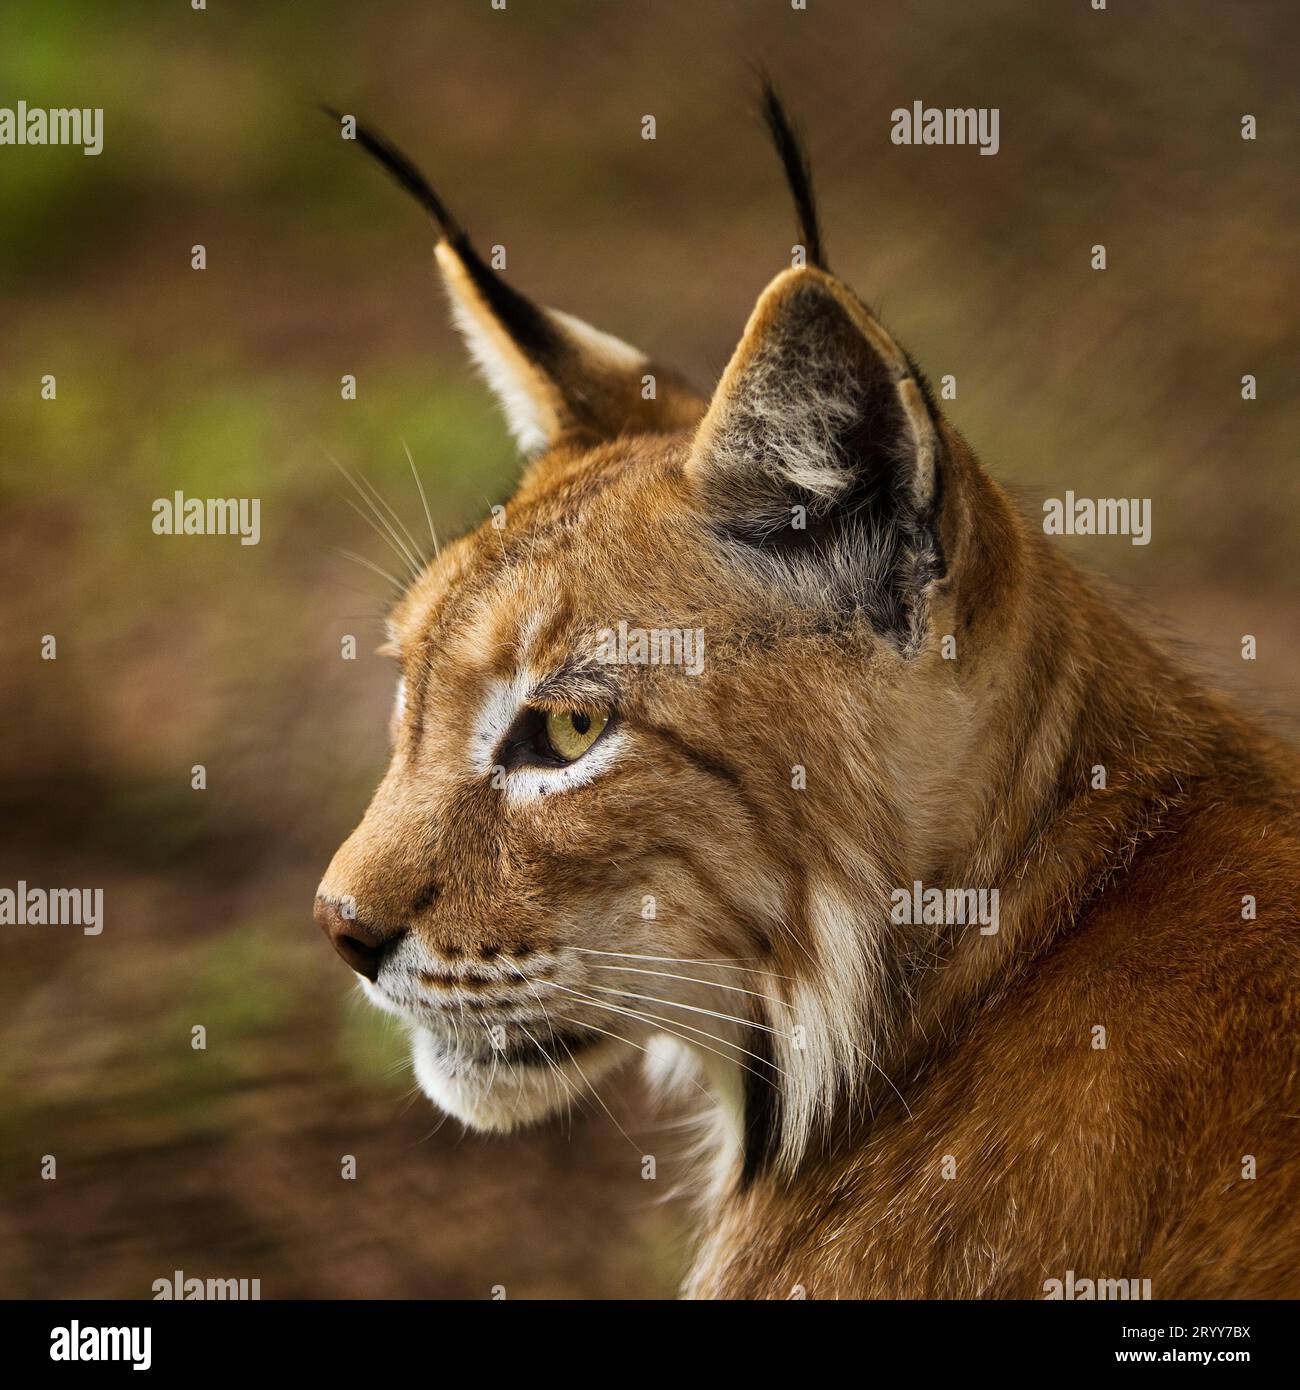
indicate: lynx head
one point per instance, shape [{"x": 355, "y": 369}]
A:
[{"x": 670, "y": 728}]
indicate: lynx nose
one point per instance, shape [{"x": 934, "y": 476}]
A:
[{"x": 361, "y": 945}]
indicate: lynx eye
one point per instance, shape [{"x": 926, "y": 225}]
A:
[{"x": 571, "y": 732}]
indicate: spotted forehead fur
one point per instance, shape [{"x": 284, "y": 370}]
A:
[{"x": 571, "y": 544}]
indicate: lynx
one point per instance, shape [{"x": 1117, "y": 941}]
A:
[{"x": 572, "y": 863}]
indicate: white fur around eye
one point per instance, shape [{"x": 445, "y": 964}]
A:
[
  {"x": 529, "y": 784},
  {"x": 497, "y": 713}
]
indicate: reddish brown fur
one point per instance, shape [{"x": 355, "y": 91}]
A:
[
  {"x": 1123, "y": 1162},
  {"x": 1121, "y": 906}
]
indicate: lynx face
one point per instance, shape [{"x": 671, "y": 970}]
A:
[
  {"x": 584, "y": 847},
  {"x": 545, "y": 841}
]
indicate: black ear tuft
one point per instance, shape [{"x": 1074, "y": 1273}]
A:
[
  {"x": 404, "y": 171},
  {"x": 520, "y": 317},
  {"x": 794, "y": 159},
  {"x": 555, "y": 376}
]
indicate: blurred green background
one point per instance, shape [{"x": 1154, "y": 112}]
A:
[{"x": 1120, "y": 128}]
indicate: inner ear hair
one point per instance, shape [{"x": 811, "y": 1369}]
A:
[{"x": 820, "y": 451}]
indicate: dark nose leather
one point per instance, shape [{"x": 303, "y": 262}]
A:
[{"x": 361, "y": 945}]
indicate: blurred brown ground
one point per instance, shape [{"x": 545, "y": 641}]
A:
[{"x": 1120, "y": 128}]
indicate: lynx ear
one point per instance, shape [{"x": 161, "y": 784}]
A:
[
  {"x": 557, "y": 379},
  {"x": 820, "y": 447}
]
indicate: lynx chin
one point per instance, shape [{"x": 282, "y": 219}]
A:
[{"x": 911, "y": 1108}]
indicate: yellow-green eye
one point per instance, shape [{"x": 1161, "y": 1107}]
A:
[{"x": 570, "y": 734}]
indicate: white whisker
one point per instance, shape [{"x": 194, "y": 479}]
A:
[
  {"x": 719, "y": 962},
  {"x": 395, "y": 540},
  {"x": 383, "y": 535},
  {"x": 361, "y": 560},
  {"x": 671, "y": 1026},
  {"x": 618, "y": 1037},
  {"x": 406, "y": 530},
  {"x": 550, "y": 1029},
  {"x": 433, "y": 535},
  {"x": 560, "y": 1076},
  {"x": 695, "y": 980},
  {"x": 693, "y": 1008}
]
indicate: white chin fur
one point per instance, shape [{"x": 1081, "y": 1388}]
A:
[{"x": 501, "y": 1098}]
